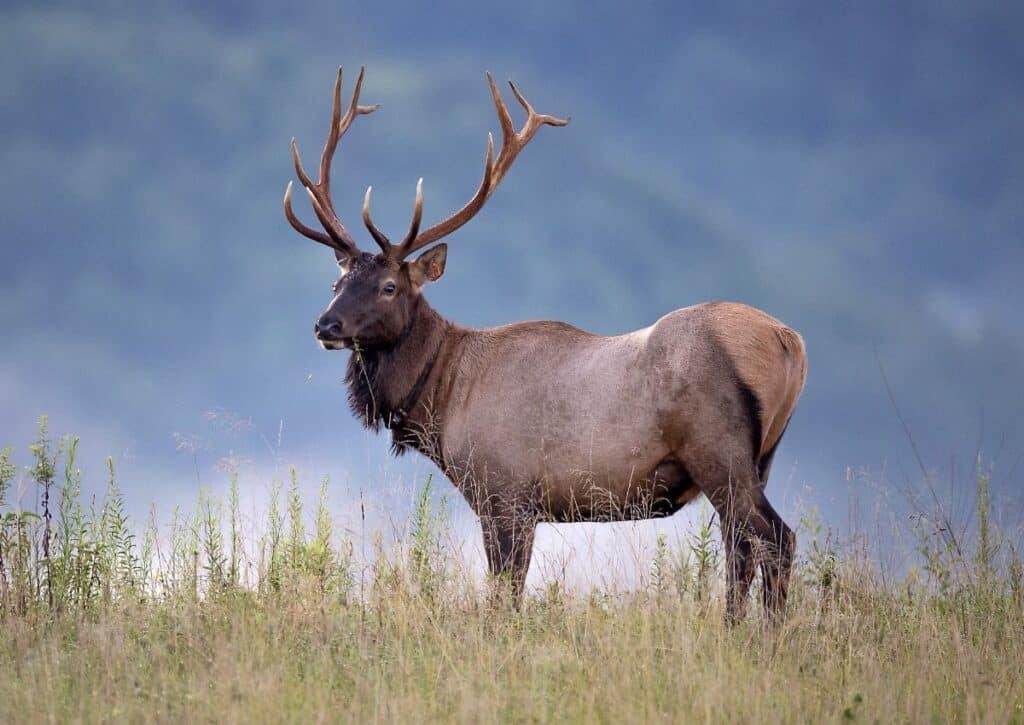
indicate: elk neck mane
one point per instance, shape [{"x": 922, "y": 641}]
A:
[{"x": 387, "y": 385}]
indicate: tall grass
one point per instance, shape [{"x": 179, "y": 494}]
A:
[{"x": 101, "y": 622}]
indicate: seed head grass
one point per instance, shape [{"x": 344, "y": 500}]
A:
[{"x": 198, "y": 621}]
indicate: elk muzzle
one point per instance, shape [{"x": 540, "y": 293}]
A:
[{"x": 329, "y": 332}]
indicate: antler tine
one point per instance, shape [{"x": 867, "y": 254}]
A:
[
  {"x": 417, "y": 215},
  {"x": 330, "y": 222},
  {"x": 333, "y": 134},
  {"x": 380, "y": 237},
  {"x": 508, "y": 130},
  {"x": 382, "y": 241},
  {"x": 298, "y": 225},
  {"x": 456, "y": 220},
  {"x": 512, "y": 142},
  {"x": 299, "y": 170},
  {"x": 354, "y": 109},
  {"x": 540, "y": 117},
  {"x": 320, "y": 192}
]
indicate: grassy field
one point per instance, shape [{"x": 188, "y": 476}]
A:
[{"x": 204, "y": 623}]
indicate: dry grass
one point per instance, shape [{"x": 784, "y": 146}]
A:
[{"x": 107, "y": 628}]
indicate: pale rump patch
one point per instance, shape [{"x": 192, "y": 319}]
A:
[{"x": 769, "y": 358}]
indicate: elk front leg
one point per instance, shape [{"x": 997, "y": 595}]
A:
[{"x": 508, "y": 543}]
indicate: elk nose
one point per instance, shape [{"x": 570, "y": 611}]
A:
[{"x": 327, "y": 329}]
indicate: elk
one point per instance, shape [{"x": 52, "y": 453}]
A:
[{"x": 543, "y": 422}]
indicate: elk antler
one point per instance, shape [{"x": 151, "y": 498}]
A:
[
  {"x": 337, "y": 236},
  {"x": 512, "y": 143}
]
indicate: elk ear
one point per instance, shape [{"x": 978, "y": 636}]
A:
[{"x": 429, "y": 266}]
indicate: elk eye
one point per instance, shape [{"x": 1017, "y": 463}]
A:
[{"x": 389, "y": 288}]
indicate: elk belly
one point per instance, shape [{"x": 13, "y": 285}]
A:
[{"x": 661, "y": 492}]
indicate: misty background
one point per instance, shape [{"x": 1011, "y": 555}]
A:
[{"x": 856, "y": 171}]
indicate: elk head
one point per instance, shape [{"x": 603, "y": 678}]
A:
[{"x": 375, "y": 295}]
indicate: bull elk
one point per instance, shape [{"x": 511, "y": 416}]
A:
[{"x": 542, "y": 421}]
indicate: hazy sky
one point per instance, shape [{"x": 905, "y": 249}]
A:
[{"x": 855, "y": 170}]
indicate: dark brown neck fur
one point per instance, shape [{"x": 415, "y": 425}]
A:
[{"x": 395, "y": 386}]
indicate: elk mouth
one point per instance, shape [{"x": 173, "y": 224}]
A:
[{"x": 335, "y": 343}]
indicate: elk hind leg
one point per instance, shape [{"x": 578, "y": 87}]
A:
[
  {"x": 752, "y": 532},
  {"x": 732, "y": 498},
  {"x": 739, "y": 571},
  {"x": 778, "y": 545},
  {"x": 777, "y": 559},
  {"x": 772, "y": 542}
]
